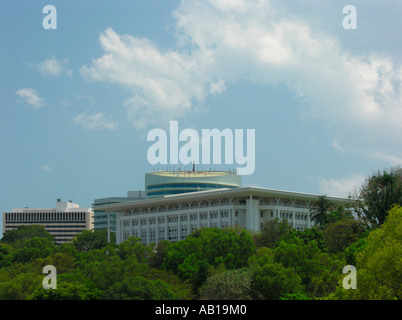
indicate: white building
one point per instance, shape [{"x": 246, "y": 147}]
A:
[
  {"x": 174, "y": 217},
  {"x": 63, "y": 222},
  {"x": 101, "y": 219}
]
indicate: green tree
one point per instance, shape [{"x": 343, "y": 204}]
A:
[
  {"x": 158, "y": 254},
  {"x": 68, "y": 248},
  {"x": 338, "y": 213},
  {"x": 5, "y": 254},
  {"x": 140, "y": 288},
  {"x": 320, "y": 210},
  {"x": 307, "y": 235},
  {"x": 22, "y": 233},
  {"x": 342, "y": 233},
  {"x": 104, "y": 272},
  {"x": 272, "y": 231},
  {"x": 228, "y": 285},
  {"x": 65, "y": 291},
  {"x": 20, "y": 286},
  {"x": 192, "y": 258},
  {"x": 134, "y": 246},
  {"x": 272, "y": 280},
  {"x": 89, "y": 240},
  {"x": 34, "y": 248},
  {"x": 194, "y": 269},
  {"x": 382, "y": 256},
  {"x": 76, "y": 276},
  {"x": 317, "y": 270},
  {"x": 380, "y": 193},
  {"x": 352, "y": 250},
  {"x": 295, "y": 296},
  {"x": 63, "y": 262},
  {"x": 378, "y": 264}
]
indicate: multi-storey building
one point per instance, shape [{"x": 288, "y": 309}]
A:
[
  {"x": 63, "y": 222},
  {"x": 174, "y": 217},
  {"x": 101, "y": 218},
  {"x": 162, "y": 183}
]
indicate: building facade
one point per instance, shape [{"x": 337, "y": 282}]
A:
[
  {"x": 63, "y": 222},
  {"x": 101, "y": 218},
  {"x": 174, "y": 217}
]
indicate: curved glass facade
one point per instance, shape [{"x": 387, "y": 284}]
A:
[
  {"x": 159, "y": 184},
  {"x": 184, "y": 188}
]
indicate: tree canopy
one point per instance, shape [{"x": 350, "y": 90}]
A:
[
  {"x": 379, "y": 193},
  {"x": 24, "y": 232}
]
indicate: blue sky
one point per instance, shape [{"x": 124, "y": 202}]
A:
[{"x": 77, "y": 102}]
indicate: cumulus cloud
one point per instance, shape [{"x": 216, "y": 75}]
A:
[
  {"x": 52, "y": 66},
  {"x": 217, "y": 87},
  {"x": 358, "y": 98},
  {"x": 341, "y": 187},
  {"x": 161, "y": 83},
  {"x": 31, "y": 97},
  {"x": 96, "y": 121},
  {"x": 220, "y": 42}
]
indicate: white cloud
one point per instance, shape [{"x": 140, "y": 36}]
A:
[
  {"x": 95, "y": 121},
  {"x": 336, "y": 146},
  {"x": 52, "y": 66},
  {"x": 358, "y": 98},
  {"x": 46, "y": 168},
  {"x": 220, "y": 42},
  {"x": 31, "y": 97},
  {"x": 217, "y": 87},
  {"x": 389, "y": 158},
  {"x": 161, "y": 83},
  {"x": 341, "y": 187}
]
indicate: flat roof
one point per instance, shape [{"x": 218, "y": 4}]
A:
[
  {"x": 213, "y": 194},
  {"x": 191, "y": 173}
]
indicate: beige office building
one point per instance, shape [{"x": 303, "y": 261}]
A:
[{"x": 63, "y": 222}]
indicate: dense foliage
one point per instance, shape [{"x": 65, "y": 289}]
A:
[{"x": 276, "y": 263}]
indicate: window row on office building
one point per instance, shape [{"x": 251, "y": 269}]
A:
[
  {"x": 174, "y": 217},
  {"x": 63, "y": 222}
]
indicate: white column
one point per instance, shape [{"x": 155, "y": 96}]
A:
[
  {"x": 293, "y": 213},
  {"x": 179, "y": 229},
  {"x": 293, "y": 218},
  {"x": 188, "y": 223},
  {"x": 148, "y": 230},
  {"x": 108, "y": 227},
  {"x": 308, "y": 215},
  {"x": 139, "y": 227},
  {"x": 157, "y": 230},
  {"x": 166, "y": 228},
  {"x": 252, "y": 210}
]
